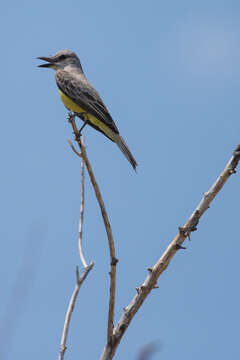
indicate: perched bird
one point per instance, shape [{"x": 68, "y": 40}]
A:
[{"x": 80, "y": 97}]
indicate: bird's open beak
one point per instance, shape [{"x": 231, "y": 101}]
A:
[{"x": 49, "y": 60}]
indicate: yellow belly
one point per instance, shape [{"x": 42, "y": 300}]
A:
[{"x": 77, "y": 109}]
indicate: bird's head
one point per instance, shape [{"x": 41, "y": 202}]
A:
[{"x": 60, "y": 60}]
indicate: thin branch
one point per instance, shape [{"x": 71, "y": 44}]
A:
[
  {"x": 71, "y": 305},
  {"x": 73, "y": 148},
  {"x": 162, "y": 264},
  {"x": 114, "y": 260},
  {"x": 87, "y": 268},
  {"x": 80, "y": 228}
]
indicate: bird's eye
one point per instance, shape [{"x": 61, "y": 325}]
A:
[{"x": 62, "y": 57}]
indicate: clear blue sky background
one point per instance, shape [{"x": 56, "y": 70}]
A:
[{"x": 169, "y": 72}]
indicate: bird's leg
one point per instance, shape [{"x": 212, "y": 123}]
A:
[
  {"x": 84, "y": 117},
  {"x": 83, "y": 126},
  {"x": 70, "y": 116}
]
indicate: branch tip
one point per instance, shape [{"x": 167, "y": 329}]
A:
[{"x": 70, "y": 117}]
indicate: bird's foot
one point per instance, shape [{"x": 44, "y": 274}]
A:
[{"x": 71, "y": 116}]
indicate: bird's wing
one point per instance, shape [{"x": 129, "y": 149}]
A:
[{"x": 80, "y": 91}]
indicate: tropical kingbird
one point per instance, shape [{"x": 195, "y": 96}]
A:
[{"x": 80, "y": 97}]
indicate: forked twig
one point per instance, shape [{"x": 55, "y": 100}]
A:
[
  {"x": 87, "y": 268},
  {"x": 114, "y": 260},
  {"x": 72, "y": 302},
  {"x": 162, "y": 263},
  {"x": 73, "y": 148}
]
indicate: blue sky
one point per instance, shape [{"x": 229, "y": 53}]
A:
[{"x": 169, "y": 73}]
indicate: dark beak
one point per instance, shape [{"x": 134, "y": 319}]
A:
[{"x": 48, "y": 59}]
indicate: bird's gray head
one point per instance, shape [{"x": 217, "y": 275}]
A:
[{"x": 60, "y": 60}]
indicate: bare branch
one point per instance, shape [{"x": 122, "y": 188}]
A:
[
  {"x": 162, "y": 264},
  {"x": 73, "y": 148},
  {"x": 114, "y": 260},
  {"x": 80, "y": 228},
  {"x": 71, "y": 305},
  {"x": 87, "y": 268}
]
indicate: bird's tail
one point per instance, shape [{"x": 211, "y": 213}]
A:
[{"x": 125, "y": 150}]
